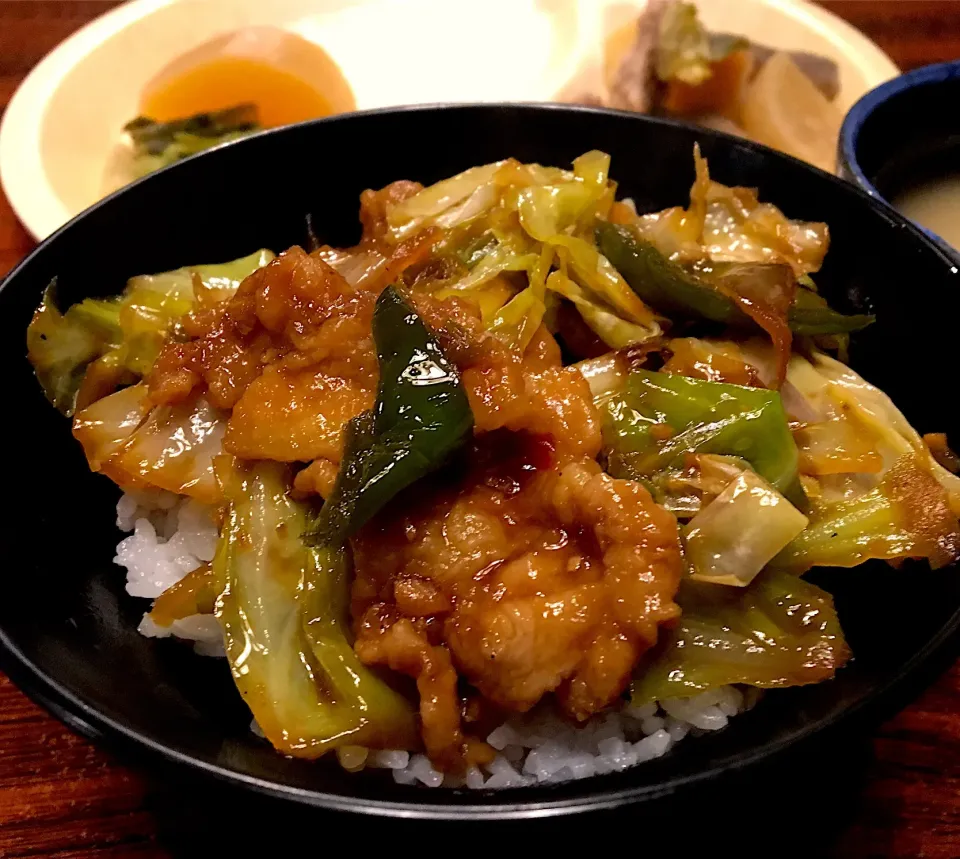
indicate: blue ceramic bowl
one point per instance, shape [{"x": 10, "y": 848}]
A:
[{"x": 903, "y": 132}]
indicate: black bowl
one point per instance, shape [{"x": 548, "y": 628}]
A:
[{"x": 67, "y": 629}]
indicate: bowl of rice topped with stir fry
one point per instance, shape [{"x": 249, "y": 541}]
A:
[{"x": 523, "y": 486}]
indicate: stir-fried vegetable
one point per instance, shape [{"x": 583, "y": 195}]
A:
[
  {"x": 779, "y": 631},
  {"x": 660, "y": 419},
  {"x": 165, "y": 447},
  {"x": 421, "y": 416},
  {"x": 157, "y": 144},
  {"x": 60, "y": 347},
  {"x": 196, "y": 593},
  {"x": 447, "y": 203},
  {"x": 731, "y": 225},
  {"x": 532, "y": 542},
  {"x": 735, "y": 536},
  {"x": 878, "y": 415},
  {"x": 812, "y": 320},
  {"x": 539, "y": 219},
  {"x": 283, "y": 610},
  {"x": 104, "y": 426},
  {"x": 97, "y": 345},
  {"x": 606, "y": 376},
  {"x": 851, "y": 433},
  {"x": 518, "y": 320},
  {"x": 906, "y": 516},
  {"x": 693, "y": 294}
]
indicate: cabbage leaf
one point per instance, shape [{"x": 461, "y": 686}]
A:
[
  {"x": 283, "y": 610},
  {"x": 119, "y": 338},
  {"x": 779, "y": 631}
]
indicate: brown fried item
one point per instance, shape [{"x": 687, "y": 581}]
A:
[
  {"x": 317, "y": 478},
  {"x": 519, "y": 571},
  {"x": 401, "y": 645},
  {"x": 533, "y": 578},
  {"x": 294, "y": 417},
  {"x": 296, "y": 312}
]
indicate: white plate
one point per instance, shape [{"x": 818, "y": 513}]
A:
[{"x": 63, "y": 123}]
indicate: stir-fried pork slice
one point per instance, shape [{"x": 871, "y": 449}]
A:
[
  {"x": 535, "y": 579},
  {"x": 295, "y": 313},
  {"x": 294, "y": 416},
  {"x": 291, "y": 353},
  {"x": 531, "y": 392}
]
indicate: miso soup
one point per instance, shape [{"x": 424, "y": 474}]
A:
[{"x": 934, "y": 204}]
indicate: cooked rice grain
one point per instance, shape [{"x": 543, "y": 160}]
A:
[{"x": 540, "y": 748}]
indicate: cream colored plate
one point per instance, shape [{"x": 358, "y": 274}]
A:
[{"x": 61, "y": 128}]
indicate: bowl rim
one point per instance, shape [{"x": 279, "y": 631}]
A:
[
  {"x": 84, "y": 717},
  {"x": 861, "y": 111}
]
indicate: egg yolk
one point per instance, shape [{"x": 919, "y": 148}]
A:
[{"x": 281, "y": 97}]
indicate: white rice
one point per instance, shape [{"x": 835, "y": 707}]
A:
[
  {"x": 540, "y": 748},
  {"x": 173, "y": 536}
]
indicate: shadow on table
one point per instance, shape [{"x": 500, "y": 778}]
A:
[{"x": 798, "y": 808}]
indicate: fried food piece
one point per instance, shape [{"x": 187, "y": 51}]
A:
[
  {"x": 296, "y": 312},
  {"x": 294, "y": 416},
  {"x": 400, "y": 645},
  {"x": 547, "y": 580},
  {"x": 531, "y": 392}
]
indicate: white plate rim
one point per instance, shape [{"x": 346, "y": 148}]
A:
[
  {"x": 41, "y": 211},
  {"x": 22, "y": 174}
]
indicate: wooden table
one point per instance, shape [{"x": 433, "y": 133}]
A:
[{"x": 61, "y": 796}]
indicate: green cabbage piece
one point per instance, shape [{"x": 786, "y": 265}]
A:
[
  {"x": 283, "y": 610},
  {"x": 533, "y": 219},
  {"x": 61, "y": 346},
  {"x": 907, "y": 516},
  {"x": 124, "y": 334},
  {"x": 778, "y": 631},
  {"x": 848, "y": 533},
  {"x": 517, "y": 321}
]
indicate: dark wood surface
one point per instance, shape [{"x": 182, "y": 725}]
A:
[{"x": 898, "y": 795}]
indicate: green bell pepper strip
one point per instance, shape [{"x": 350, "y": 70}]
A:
[
  {"x": 824, "y": 320},
  {"x": 671, "y": 289},
  {"x": 697, "y": 416},
  {"x": 420, "y": 417}
]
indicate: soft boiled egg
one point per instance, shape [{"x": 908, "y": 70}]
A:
[{"x": 287, "y": 77}]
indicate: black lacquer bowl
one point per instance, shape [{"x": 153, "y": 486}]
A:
[{"x": 67, "y": 630}]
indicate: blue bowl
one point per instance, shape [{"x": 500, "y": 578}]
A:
[{"x": 903, "y": 132}]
